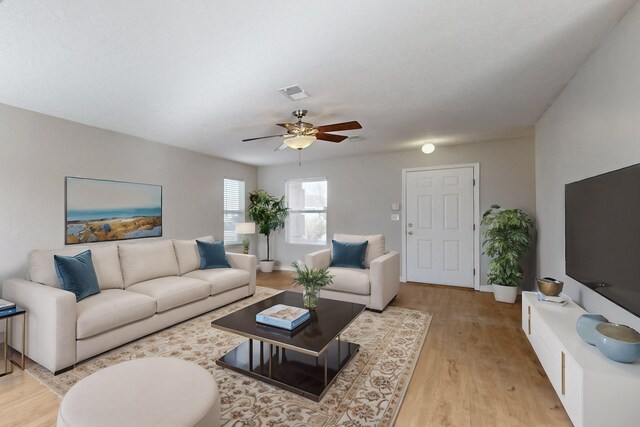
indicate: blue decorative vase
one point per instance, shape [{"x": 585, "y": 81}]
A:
[
  {"x": 618, "y": 342},
  {"x": 586, "y": 326}
]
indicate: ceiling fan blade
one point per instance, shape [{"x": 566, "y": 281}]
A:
[
  {"x": 262, "y": 137},
  {"x": 337, "y": 127},
  {"x": 331, "y": 138},
  {"x": 287, "y": 126},
  {"x": 281, "y": 147}
]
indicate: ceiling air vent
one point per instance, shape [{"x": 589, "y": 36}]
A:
[{"x": 294, "y": 93}]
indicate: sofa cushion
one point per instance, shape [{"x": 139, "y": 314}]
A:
[
  {"x": 222, "y": 279},
  {"x": 146, "y": 261},
  {"x": 42, "y": 268},
  {"x": 351, "y": 280},
  {"x": 111, "y": 309},
  {"x": 188, "y": 254},
  {"x": 107, "y": 265},
  {"x": 77, "y": 275},
  {"x": 375, "y": 248},
  {"x": 173, "y": 291},
  {"x": 212, "y": 255}
]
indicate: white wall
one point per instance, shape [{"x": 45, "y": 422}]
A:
[
  {"x": 361, "y": 189},
  {"x": 593, "y": 127},
  {"x": 38, "y": 151}
]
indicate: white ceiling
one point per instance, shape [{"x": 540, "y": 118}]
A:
[{"x": 204, "y": 74}]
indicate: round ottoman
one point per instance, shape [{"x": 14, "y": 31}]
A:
[{"x": 155, "y": 391}]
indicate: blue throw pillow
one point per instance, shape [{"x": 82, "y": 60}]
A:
[
  {"x": 77, "y": 275},
  {"x": 212, "y": 255},
  {"x": 350, "y": 255}
]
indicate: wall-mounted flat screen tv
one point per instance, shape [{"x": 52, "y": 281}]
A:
[{"x": 602, "y": 235}]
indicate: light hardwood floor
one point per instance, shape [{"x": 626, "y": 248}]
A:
[{"x": 476, "y": 368}]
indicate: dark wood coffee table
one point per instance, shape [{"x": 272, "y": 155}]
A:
[{"x": 304, "y": 361}]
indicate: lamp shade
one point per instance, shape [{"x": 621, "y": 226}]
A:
[
  {"x": 246, "y": 228},
  {"x": 300, "y": 142}
]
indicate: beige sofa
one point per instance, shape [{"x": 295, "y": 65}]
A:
[
  {"x": 375, "y": 286},
  {"x": 144, "y": 287}
]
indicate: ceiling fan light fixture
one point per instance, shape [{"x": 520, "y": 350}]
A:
[
  {"x": 428, "y": 148},
  {"x": 300, "y": 142}
]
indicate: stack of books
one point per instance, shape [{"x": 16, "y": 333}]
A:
[
  {"x": 283, "y": 316},
  {"x": 559, "y": 300},
  {"x": 6, "y": 305}
]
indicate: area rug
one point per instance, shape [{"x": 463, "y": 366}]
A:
[{"x": 368, "y": 392}]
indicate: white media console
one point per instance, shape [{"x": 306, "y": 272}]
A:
[{"x": 594, "y": 390}]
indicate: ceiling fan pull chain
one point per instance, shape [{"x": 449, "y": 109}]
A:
[{"x": 299, "y": 157}]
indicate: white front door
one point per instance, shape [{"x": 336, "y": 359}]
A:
[{"x": 439, "y": 226}]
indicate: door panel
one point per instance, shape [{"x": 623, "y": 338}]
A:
[{"x": 439, "y": 218}]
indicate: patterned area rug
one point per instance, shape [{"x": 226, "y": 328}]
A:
[{"x": 368, "y": 391}]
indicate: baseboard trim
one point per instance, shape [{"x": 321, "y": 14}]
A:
[{"x": 486, "y": 288}]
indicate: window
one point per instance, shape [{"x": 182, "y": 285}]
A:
[
  {"x": 233, "y": 210},
  {"x": 307, "y": 202}
]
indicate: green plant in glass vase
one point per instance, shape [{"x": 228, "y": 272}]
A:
[
  {"x": 312, "y": 280},
  {"x": 506, "y": 238}
]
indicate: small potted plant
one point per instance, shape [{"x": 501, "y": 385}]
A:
[
  {"x": 269, "y": 214},
  {"x": 506, "y": 239},
  {"x": 312, "y": 280}
]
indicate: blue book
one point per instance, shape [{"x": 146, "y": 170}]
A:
[{"x": 283, "y": 316}]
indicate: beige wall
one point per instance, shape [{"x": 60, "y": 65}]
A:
[
  {"x": 361, "y": 189},
  {"x": 38, "y": 151},
  {"x": 593, "y": 127}
]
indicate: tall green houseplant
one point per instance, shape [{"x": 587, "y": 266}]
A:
[
  {"x": 268, "y": 212},
  {"x": 506, "y": 238}
]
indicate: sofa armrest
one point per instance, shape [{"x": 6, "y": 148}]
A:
[
  {"x": 385, "y": 279},
  {"x": 319, "y": 259},
  {"x": 51, "y": 322},
  {"x": 247, "y": 263}
]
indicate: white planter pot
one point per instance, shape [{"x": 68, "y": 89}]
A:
[
  {"x": 267, "y": 266},
  {"x": 505, "y": 293}
]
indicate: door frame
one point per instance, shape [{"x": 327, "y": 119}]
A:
[{"x": 476, "y": 217}]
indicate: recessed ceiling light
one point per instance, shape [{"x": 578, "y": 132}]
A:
[
  {"x": 428, "y": 148},
  {"x": 294, "y": 93}
]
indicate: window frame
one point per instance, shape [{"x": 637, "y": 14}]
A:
[
  {"x": 242, "y": 211},
  {"x": 325, "y": 211}
]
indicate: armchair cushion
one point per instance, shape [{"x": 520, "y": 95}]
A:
[
  {"x": 351, "y": 280},
  {"x": 375, "y": 248},
  {"x": 348, "y": 254}
]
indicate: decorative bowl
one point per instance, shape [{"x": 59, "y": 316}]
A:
[
  {"x": 618, "y": 342},
  {"x": 550, "y": 286},
  {"x": 586, "y": 327}
]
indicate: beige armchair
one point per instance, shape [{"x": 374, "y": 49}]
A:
[{"x": 375, "y": 286}]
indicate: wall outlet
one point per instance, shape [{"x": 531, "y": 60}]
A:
[{"x": 395, "y": 217}]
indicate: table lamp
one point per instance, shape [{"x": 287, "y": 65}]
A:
[{"x": 245, "y": 228}]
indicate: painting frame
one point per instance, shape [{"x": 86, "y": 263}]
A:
[{"x": 117, "y": 223}]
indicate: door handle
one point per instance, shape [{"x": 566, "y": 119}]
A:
[{"x": 410, "y": 233}]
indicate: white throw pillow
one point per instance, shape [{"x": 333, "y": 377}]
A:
[
  {"x": 375, "y": 247},
  {"x": 146, "y": 261},
  {"x": 188, "y": 254},
  {"x": 107, "y": 265}
]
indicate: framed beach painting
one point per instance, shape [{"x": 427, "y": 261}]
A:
[{"x": 98, "y": 210}]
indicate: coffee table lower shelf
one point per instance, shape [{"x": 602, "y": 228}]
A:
[{"x": 297, "y": 372}]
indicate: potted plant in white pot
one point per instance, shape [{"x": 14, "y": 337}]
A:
[
  {"x": 506, "y": 238},
  {"x": 269, "y": 214}
]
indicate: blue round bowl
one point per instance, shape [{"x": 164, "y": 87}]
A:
[
  {"x": 618, "y": 342},
  {"x": 586, "y": 326}
]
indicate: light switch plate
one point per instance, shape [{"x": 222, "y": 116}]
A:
[{"x": 395, "y": 217}]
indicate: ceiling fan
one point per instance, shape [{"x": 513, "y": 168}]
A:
[{"x": 301, "y": 134}]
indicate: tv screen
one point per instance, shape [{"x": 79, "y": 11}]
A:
[{"x": 602, "y": 235}]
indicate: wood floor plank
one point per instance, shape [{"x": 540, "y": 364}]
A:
[{"x": 476, "y": 367}]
